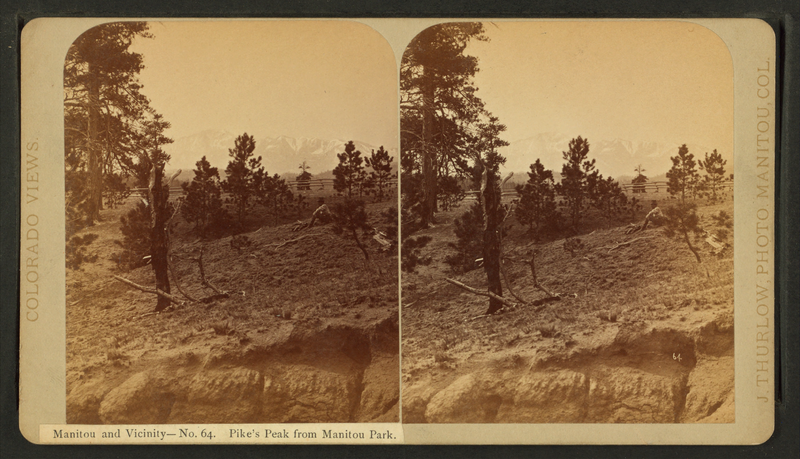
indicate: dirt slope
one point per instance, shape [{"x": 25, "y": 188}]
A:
[
  {"x": 309, "y": 334},
  {"x": 643, "y": 334}
]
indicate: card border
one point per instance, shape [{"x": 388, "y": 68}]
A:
[{"x": 786, "y": 208}]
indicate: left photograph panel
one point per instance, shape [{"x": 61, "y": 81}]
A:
[{"x": 231, "y": 223}]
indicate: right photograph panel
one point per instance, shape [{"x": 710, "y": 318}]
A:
[{"x": 567, "y": 223}]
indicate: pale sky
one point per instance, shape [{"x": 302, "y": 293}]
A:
[
  {"x": 669, "y": 82},
  {"x": 323, "y": 79}
]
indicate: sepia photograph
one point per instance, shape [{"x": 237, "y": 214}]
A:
[
  {"x": 567, "y": 223},
  {"x": 422, "y": 231},
  {"x": 231, "y": 223}
]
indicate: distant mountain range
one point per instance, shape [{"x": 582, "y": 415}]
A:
[
  {"x": 282, "y": 155},
  {"x": 614, "y": 158}
]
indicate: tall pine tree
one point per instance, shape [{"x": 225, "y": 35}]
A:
[
  {"x": 439, "y": 109},
  {"x": 575, "y": 173},
  {"x": 242, "y": 175},
  {"x": 110, "y": 127}
]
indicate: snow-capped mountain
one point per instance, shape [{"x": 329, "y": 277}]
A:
[
  {"x": 280, "y": 154},
  {"x": 614, "y": 158}
]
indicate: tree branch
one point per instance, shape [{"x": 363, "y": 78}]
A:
[
  {"x": 535, "y": 279},
  {"x": 203, "y": 279}
]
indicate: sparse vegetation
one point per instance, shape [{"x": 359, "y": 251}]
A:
[{"x": 76, "y": 252}]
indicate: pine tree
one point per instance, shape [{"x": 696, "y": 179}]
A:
[
  {"x": 575, "y": 173},
  {"x": 160, "y": 212},
  {"x": 243, "y": 174},
  {"x": 350, "y": 172},
  {"x": 488, "y": 143},
  {"x": 605, "y": 194},
  {"x": 683, "y": 173},
  {"x": 682, "y": 218},
  {"x": 450, "y": 192},
  {"x": 381, "y": 164},
  {"x": 135, "y": 244},
  {"x": 108, "y": 121},
  {"x": 537, "y": 204},
  {"x": 439, "y": 108},
  {"x": 468, "y": 229},
  {"x": 202, "y": 204},
  {"x": 349, "y": 217},
  {"x": 714, "y": 167},
  {"x": 275, "y": 195}
]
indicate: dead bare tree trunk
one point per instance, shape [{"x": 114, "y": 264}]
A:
[
  {"x": 491, "y": 237},
  {"x": 159, "y": 238}
]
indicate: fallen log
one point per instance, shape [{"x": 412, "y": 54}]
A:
[
  {"x": 549, "y": 299},
  {"x": 279, "y": 245},
  {"x": 627, "y": 243},
  {"x": 481, "y": 293},
  {"x": 149, "y": 290}
]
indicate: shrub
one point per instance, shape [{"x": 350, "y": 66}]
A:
[
  {"x": 240, "y": 242},
  {"x": 469, "y": 245},
  {"x": 115, "y": 191},
  {"x": 135, "y": 228},
  {"x": 449, "y": 192},
  {"x": 410, "y": 255},
  {"x": 723, "y": 219},
  {"x": 76, "y": 252}
]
